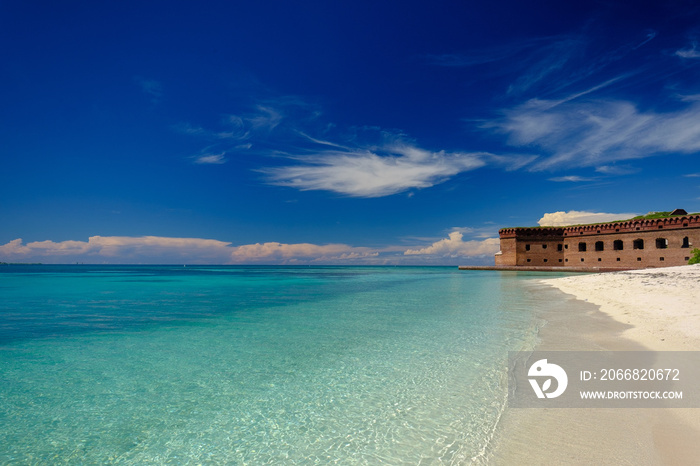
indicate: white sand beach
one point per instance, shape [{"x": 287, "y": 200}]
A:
[
  {"x": 662, "y": 305},
  {"x": 651, "y": 309}
]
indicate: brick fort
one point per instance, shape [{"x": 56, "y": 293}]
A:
[{"x": 631, "y": 244}]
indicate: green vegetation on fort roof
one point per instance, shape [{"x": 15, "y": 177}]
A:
[
  {"x": 649, "y": 216},
  {"x": 653, "y": 215}
]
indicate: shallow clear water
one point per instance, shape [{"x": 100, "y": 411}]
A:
[{"x": 255, "y": 365}]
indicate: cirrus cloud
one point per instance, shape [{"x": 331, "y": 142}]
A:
[
  {"x": 211, "y": 159},
  {"x": 373, "y": 173},
  {"x": 691, "y": 51},
  {"x": 582, "y": 133},
  {"x": 365, "y": 161},
  {"x": 570, "y": 178}
]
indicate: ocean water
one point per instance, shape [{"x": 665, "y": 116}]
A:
[{"x": 256, "y": 365}]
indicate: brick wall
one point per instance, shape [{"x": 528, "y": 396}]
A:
[
  {"x": 672, "y": 252},
  {"x": 506, "y": 255},
  {"x": 666, "y": 242}
]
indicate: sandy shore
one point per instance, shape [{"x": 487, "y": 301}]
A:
[
  {"x": 652, "y": 309},
  {"x": 661, "y": 305}
]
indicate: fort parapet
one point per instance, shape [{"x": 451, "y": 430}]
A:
[{"x": 630, "y": 244}]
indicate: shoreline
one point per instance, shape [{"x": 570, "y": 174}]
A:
[
  {"x": 540, "y": 268},
  {"x": 640, "y": 310},
  {"x": 659, "y": 304}
]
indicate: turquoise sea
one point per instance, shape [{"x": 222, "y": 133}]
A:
[{"x": 256, "y": 365}]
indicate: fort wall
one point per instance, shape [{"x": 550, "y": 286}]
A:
[{"x": 630, "y": 244}]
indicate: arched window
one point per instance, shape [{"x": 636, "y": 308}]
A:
[
  {"x": 638, "y": 244},
  {"x": 661, "y": 243},
  {"x": 618, "y": 245},
  {"x": 599, "y": 246},
  {"x": 582, "y": 247},
  {"x": 686, "y": 243}
]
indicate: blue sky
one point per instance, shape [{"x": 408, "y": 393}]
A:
[{"x": 336, "y": 132}]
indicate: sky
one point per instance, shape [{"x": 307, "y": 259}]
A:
[{"x": 393, "y": 132}]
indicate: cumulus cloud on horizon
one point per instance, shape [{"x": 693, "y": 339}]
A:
[
  {"x": 165, "y": 250},
  {"x": 454, "y": 246},
  {"x": 578, "y": 217},
  {"x": 280, "y": 252},
  {"x": 157, "y": 249},
  {"x": 117, "y": 249}
]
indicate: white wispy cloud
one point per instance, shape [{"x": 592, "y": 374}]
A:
[
  {"x": 267, "y": 118},
  {"x": 212, "y": 159},
  {"x": 575, "y": 132},
  {"x": 579, "y": 217},
  {"x": 570, "y": 178},
  {"x": 616, "y": 169},
  {"x": 454, "y": 246},
  {"x": 545, "y": 62},
  {"x": 509, "y": 162},
  {"x": 545, "y": 65},
  {"x": 691, "y": 51},
  {"x": 238, "y": 128},
  {"x": 567, "y": 62},
  {"x": 269, "y": 125},
  {"x": 650, "y": 35},
  {"x": 345, "y": 164},
  {"x": 563, "y": 128},
  {"x": 187, "y": 128},
  {"x": 373, "y": 173}
]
